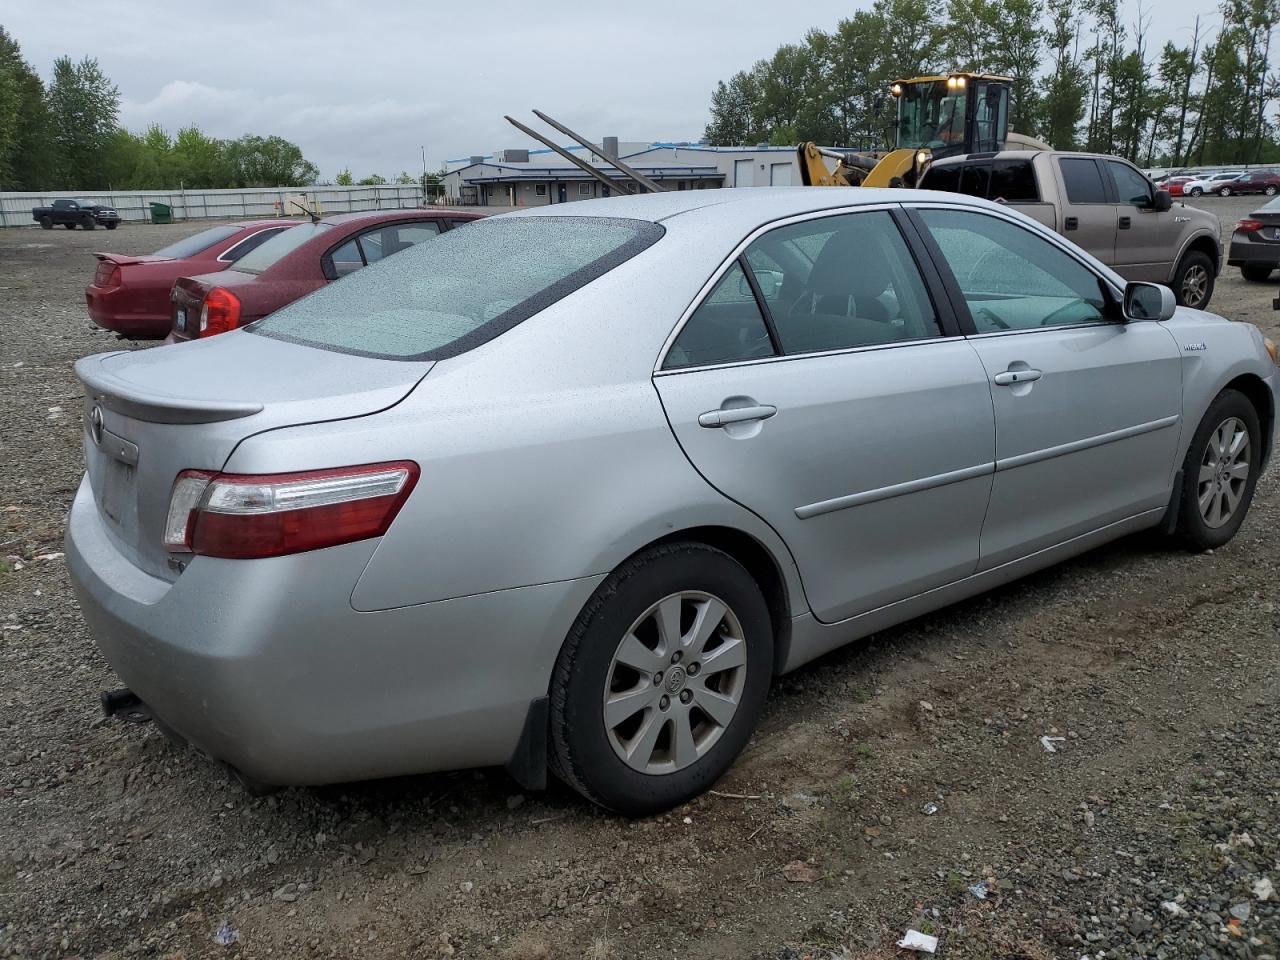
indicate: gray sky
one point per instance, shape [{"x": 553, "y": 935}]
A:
[{"x": 366, "y": 92}]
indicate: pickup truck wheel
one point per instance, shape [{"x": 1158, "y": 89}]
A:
[
  {"x": 111, "y": 226},
  {"x": 1256, "y": 272},
  {"x": 1224, "y": 191},
  {"x": 88, "y": 223},
  {"x": 1219, "y": 473},
  {"x": 46, "y": 223},
  {"x": 1193, "y": 280}
]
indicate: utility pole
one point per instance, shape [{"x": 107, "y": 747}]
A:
[{"x": 424, "y": 174}]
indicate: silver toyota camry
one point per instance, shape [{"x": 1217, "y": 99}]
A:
[{"x": 566, "y": 489}]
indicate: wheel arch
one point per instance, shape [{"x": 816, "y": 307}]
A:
[
  {"x": 1258, "y": 394},
  {"x": 1200, "y": 243}
]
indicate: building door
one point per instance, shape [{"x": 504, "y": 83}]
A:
[
  {"x": 562, "y": 193},
  {"x": 742, "y": 174},
  {"x": 780, "y": 174}
]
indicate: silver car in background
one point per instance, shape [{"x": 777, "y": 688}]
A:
[{"x": 568, "y": 491}]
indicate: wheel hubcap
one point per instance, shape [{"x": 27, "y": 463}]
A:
[
  {"x": 1224, "y": 473},
  {"x": 1194, "y": 283},
  {"x": 675, "y": 682}
]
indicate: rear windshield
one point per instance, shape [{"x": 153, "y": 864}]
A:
[
  {"x": 442, "y": 298},
  {"x": 279, "y": 247},
  {"x": 197, "y": 242}
]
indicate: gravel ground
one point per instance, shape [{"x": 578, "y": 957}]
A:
[{"x": 1151, "y": 831}]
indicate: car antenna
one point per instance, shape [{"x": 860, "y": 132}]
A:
[{"x": 315, "y": 217}]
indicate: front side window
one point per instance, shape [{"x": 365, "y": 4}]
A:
[
  {"x": 1014, "y": 181},
  {"x": 975, "y": 179},
  {"x": 1082, "y": 180},
  {"x": 384, "y": 241},
  {"x": 1131, "y": 186},
  {"x": 1012, "y": 279},
  {"x": 440, "y": 299}
]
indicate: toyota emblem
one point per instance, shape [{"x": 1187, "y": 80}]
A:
[{"x": 95, "y": 424}]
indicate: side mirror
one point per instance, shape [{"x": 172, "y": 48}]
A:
[
  {"x": 1164, "y": 201},
  {"x": 1148, "y": 301}
]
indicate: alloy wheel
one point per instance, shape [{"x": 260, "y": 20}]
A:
[
  {"x": 1224, "y": 473},
  {"x": 1195, "y": 282},
  {"x": 675, "y": 682},
  {"x": 1270, "y": 191}
]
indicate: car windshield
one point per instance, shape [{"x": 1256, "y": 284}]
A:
[
  {"x": 441, "y": 298},
  {"x": 192, "y": 245},
  {"x": 280, "y": 246}
]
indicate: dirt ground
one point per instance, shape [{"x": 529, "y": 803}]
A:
[{"x": 1152, "y": 830}]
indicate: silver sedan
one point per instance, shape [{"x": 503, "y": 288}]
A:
[{"x": 566, "y": 489}]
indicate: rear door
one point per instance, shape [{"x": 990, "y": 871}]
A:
[
  {"x": 823, "y": 385},
  {"x": 1088, "y": 409},
  {"x": 1088, "y": 215},
  {"x": 1146, "y": 239}
]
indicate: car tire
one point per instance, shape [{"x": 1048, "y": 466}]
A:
[
  {"x": 684, "y": 584},
  {"x": 46, "y": 223},
  {"x": 1224, "y": 191},
  {"x": 88, "y": 223},
  {"x": 1269, "y": 190},
  {"x": 1193, "y": 281},
  {"x": 1219, "y": 472},
  {"x": 1256, "y": 272},
  {"x": 1195, "y": 191},
  {"x": 111, "y": 226}
]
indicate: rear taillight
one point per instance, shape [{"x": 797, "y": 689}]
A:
[
  {"x": 244, "y": 516},
  {"x": 220, "y": 313},
  {"x": 107, "y": 274},
  {"x": 1249, "y": 226}
]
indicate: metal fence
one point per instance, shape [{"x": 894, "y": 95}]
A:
[{"x": 135, "y": 205}]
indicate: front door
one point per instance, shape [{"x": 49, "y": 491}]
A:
[
  {"x": 1088, "y": 408},
  {"x": 1143, "y": 250},
  {"x": 562, "y": 193},
  {"x": 848, "y": 414}
]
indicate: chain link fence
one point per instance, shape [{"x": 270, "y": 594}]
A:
[{"x": 256, "y": 202}]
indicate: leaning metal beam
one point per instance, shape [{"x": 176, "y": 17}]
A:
[
  {"x": 577, "y": 162},
  {"x": 631, "y": 172}
]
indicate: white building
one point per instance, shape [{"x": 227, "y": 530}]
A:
[{"x": 538, "y": 177}]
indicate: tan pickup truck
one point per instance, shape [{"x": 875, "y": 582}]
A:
[{"x": 1103, "y": 204}]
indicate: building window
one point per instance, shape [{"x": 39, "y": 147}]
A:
[
  {"x": 584, "y": 189},
  {"x": 540, "y": 190}
]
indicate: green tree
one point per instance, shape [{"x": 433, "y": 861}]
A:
[
  {"x": 83, "y": 107},
  {"x": 199, "y": 161},
  {"x": 406, "y": 178},
  {"x": 344, "y": 178},
  {"x": 25, "y": 151},
  {"x": 373, "y": 180},
  {"x": 1066, "y": 86},
  {"x": 735, "y": 107},
  {"x": 1018, "y": 45},
  {"x": 268, "y": 162}
]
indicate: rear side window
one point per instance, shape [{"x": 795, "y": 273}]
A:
[
  {"x": 727, "y": 326},
  {"x": 974, "y": 180},
  {"x": 943, "y": 176},
  {"x": 280, "y": 246},
  {"x": 197, "y": 242},
  {"x": 1082, "y": 179},
  {"x": 443, "y": 298},
  {"x": 1014, "y": 181},
  {"x": 249, "y": 244}
]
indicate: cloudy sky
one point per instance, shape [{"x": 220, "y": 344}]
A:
[{"x": 368, "y": 91}]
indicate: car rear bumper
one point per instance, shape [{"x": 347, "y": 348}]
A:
[
  {"x": 109, "y": 308},
  {"x": 1247, "y": 251},
  {"x": 265, "y": 666}
]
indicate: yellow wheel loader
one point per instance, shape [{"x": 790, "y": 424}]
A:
[{"x": 938, "y": 116}]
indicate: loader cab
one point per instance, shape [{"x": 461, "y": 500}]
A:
[{"x": 955, "y": 114}]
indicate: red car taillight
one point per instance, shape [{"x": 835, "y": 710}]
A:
[
  {"x": 243, "y": 516},
  {"x": 107, "y": 274},
  {"x": 1249, "y": 226},
  {"x": 220, "y": 313}
]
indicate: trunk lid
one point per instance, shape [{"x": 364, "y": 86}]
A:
[
  {"x": 186, "y": 299},
  {"x": 151, "y": 414}
]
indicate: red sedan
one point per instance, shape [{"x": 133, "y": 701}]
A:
[
  {"x": 130, "y": 295},
  {"x": 1174, "y": 185},
  {"x": 297, "y": 262}
]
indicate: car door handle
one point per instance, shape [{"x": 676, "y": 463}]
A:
[
  {"x": 1071, "y": 223},
  {"x": 1009, "y": 377},
  {"x": 723, "y": 417},
  {"x": 1124, "y": 223}
]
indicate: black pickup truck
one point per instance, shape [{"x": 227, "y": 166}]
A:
[{"x": 73, "y": 213}]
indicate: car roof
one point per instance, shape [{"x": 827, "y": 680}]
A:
[
  {"x": 266, "y": 222},
  {"x": 405, "y": 213},
  {"x": 741, "y": 205}
]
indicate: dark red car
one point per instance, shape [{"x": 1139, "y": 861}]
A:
[
  {"x": 295, "y": 263},
  {"x": 1255, "y": 181},
  {"x": 1174, "y": 185},
  {"x": 130, "y": 295}
]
